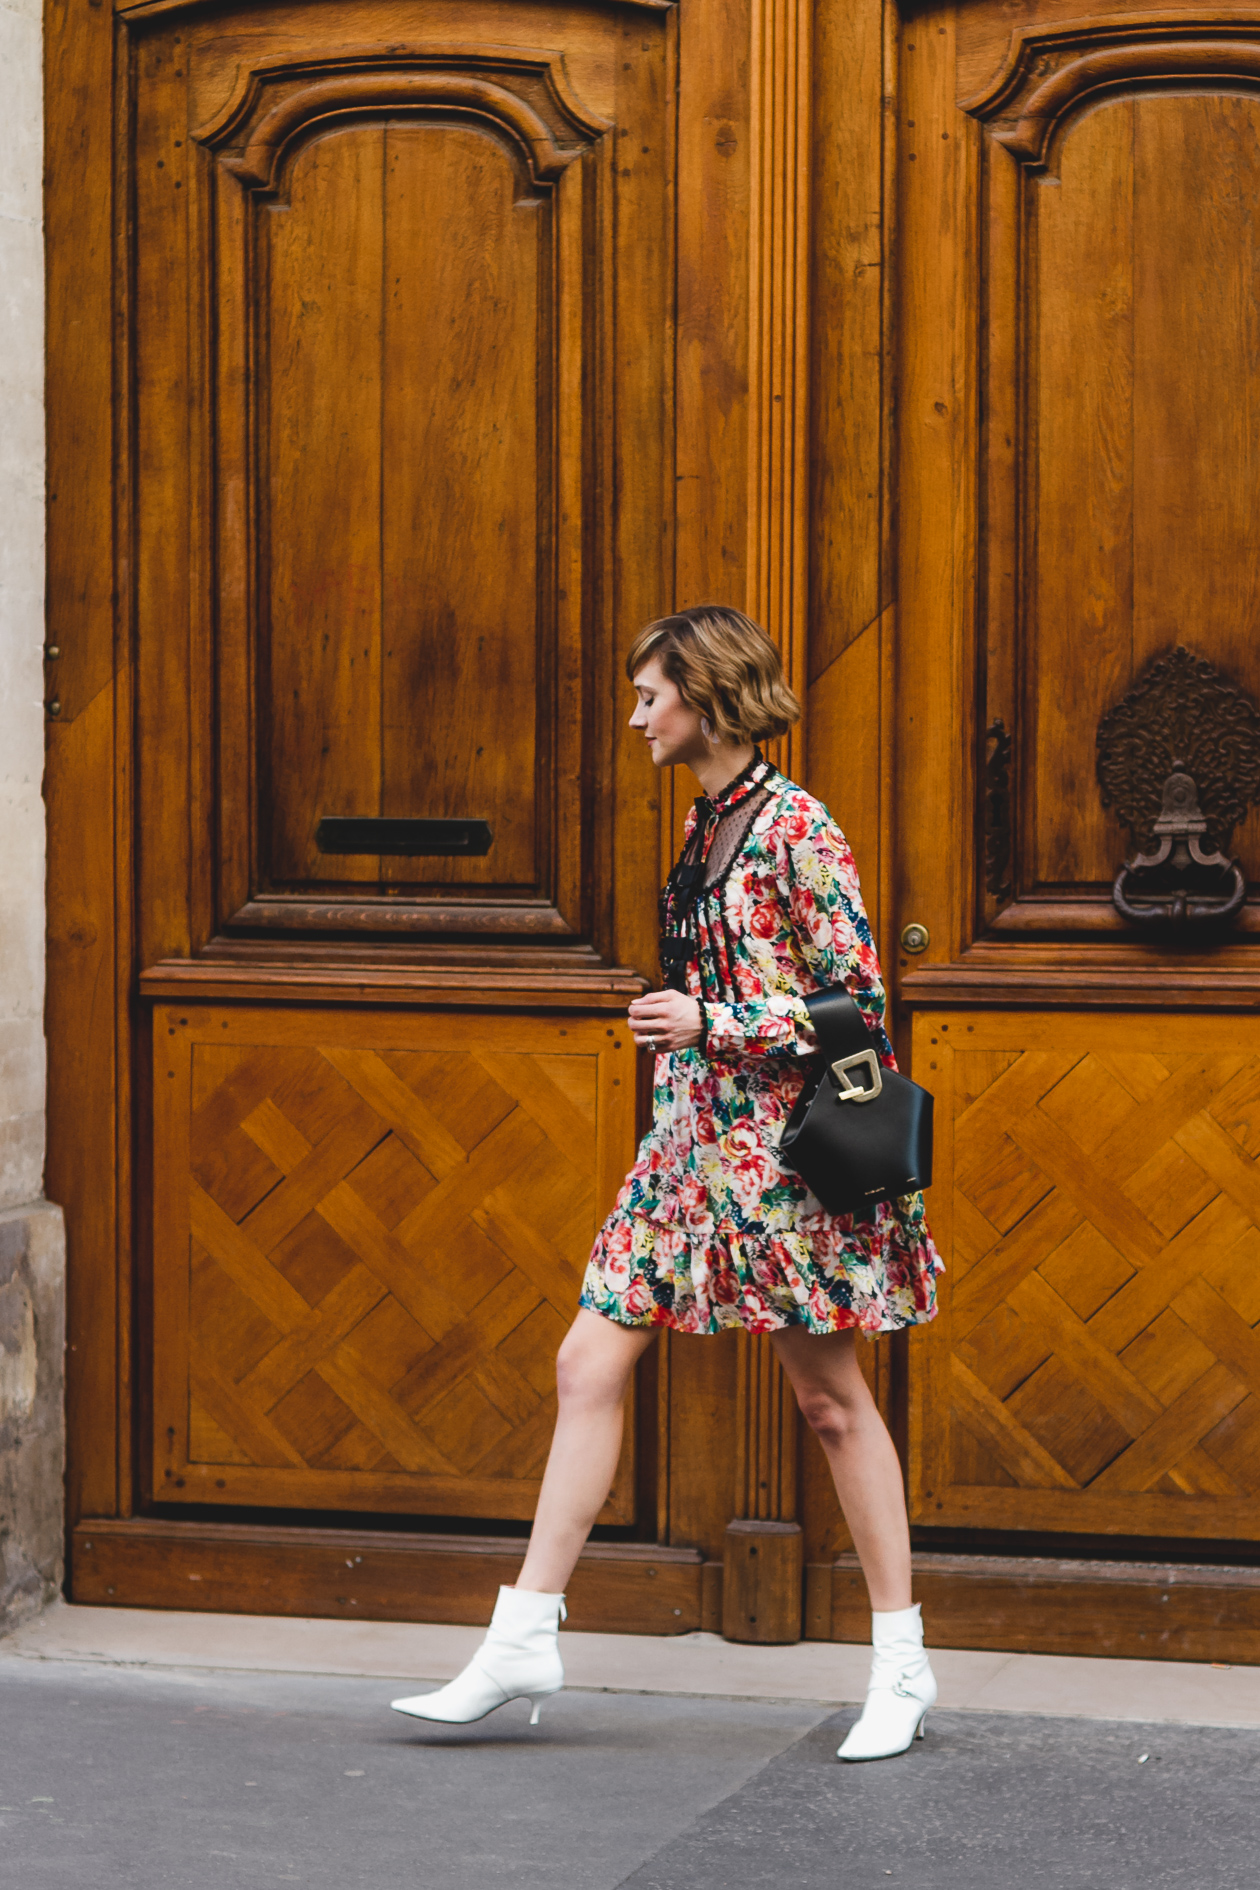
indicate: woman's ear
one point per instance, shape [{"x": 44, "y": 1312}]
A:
[{"x": 706, "y": 728}]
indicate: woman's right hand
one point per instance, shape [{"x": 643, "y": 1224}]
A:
[{"x": 666, "y": 1020}]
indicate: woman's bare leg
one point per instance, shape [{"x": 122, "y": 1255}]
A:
[
  {"x": 837, "y": 1404},
  {"x": 592, "y": 1373}
]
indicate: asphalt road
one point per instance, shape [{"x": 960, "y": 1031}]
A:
[{"x": 159, "y": 1780}]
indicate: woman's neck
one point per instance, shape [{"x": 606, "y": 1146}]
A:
[{"x": 719, "y": 768}]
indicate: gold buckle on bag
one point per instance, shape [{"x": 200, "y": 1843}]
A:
[{"x": 853, "y": 1092}]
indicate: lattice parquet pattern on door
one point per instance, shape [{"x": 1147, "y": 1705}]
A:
[
  {"x": 386, "y": 1247},
  {"x": 1104, "y": 1283}
]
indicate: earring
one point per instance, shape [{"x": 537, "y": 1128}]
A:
[{"x": 706, "y": 728}]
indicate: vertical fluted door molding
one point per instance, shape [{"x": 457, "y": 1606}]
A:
[
  {"x": 778, "y": 352},
  {"x": 778, "y": 572},
  {"x": 765, "y": 1435},
  {"x": 762, "y": 1556}
]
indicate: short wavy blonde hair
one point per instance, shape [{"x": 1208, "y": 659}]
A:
[{"x": 723, "y": 665}]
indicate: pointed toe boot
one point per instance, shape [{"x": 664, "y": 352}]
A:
[
  {"x": 902, "y": 1688},
  {"x": 518, "y": 1660}
]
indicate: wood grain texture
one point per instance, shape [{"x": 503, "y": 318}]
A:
[
  {"x": 606, "y": 353},
  {"x": 221, "y": 453},
  {"x": 469, "y": 614},
  {"x": 933, "y": 855},
  {"x": 167, "y": 538},
  {"x": 369, "y": 1238},
  {"x": 781, "y": 85},
  {"x": 761, "y": 1583},
  {"x": 1124, "y": 1610},
  {"x": 1091, "y": 1367},
  {"x": 701, "y": 1389},
  {"x": 82, "y": 447},
  {"x": 765, "y": 1435},
  {"x": 366, "y": 1575},
  {"x": 335, "y": 978},
  {"x": 746, "y": 285},
  {"x": 82, "y": 1172},
  {"x": 1120, "y": 1610},
  {"x": 853, "y": 138},
  {"x": 1097, "y": 348},
  {"x": 711, "y": 1597},
  {"x": 89, "y": 764},
  {"x": 1045, "y": 977},
  {"x": 633, "y": 856},
  {"x": 265, "y": 266},
  {"x": 1081, "y": 426},
  {"x": 1195, "y": 501},
  {"x": 716, "y": 167},
  {"x": 322, "y": 260},
  {"x": 848, "y": 717},
  {"x": 433, "y": 230},
  {"x": 1095, "y": 1361},
  {"x": 453, "y": 264}
]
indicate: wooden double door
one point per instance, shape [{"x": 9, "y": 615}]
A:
[{"x": 404, "y": 360}]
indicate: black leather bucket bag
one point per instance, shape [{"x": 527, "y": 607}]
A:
[{"x": 859, "y": 1133}]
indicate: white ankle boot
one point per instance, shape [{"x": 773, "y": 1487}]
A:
[
  {"x": 901, "y": 1689},
  {"x": 518, "y": 1660}
]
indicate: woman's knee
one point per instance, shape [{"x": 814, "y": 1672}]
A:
[
  {"x": 833, "y": 1417},
  {"x": 586, "y": 1373}
]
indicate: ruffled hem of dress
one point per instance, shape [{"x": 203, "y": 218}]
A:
[{"x": 761, "y": 1283}]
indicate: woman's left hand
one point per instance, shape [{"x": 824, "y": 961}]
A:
[{"x": 665, "y": 1020}]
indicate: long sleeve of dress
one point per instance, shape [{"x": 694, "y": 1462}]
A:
[{"x": 816, "y": 934}]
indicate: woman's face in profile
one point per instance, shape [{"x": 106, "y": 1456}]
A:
[{"x": 670, "y": 725}]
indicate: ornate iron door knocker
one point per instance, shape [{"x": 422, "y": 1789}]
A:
[{"x": 1179, "y": 760}]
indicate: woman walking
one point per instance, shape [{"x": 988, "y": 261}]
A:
[{"x": 711, "y": 1228}]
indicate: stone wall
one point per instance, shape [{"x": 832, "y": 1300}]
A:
[
  {"x": 31, "y": 1245},
  {"x": 32, "y": 1441}
]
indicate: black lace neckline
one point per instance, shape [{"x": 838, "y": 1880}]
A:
[
  {"x": 745, "y": 781},
  {"x": 722, "y": 824}
]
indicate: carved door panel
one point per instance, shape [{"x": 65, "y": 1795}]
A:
[
  {"x": 371, "y": 1236},
  {"x": 398, "y": 324},
  {"x": 1081, "y": 213},
  {"x": 1098, "y": 1358},
  {"x": 403, "y": 364},
  {"x": 394, "y": 377},
  {"x": 405, "y": 282}
]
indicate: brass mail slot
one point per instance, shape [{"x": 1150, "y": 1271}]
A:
[{"x": 339, "y": 834}]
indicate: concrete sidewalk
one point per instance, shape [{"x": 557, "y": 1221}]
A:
[
  {"x": 155, "y": 1778},
  {"x": 686, "y": 1665},
  {"x": 197, "y": 1752}
]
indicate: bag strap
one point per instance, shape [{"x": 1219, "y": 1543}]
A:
[{"x": 838, "y": 1023}]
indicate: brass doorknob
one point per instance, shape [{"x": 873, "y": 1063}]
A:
[{"x": 915, "y": 938}]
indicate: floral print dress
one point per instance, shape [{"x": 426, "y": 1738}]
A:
[{"x": 711, "y": 1229}]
